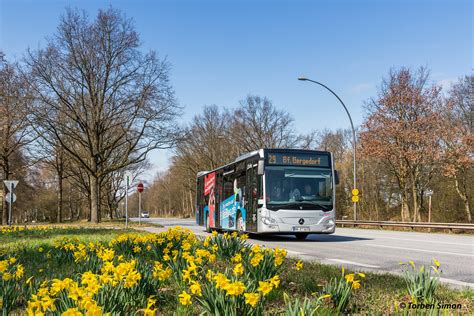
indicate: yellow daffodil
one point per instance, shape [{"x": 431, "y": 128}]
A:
[
  {"x": 350, "y": 278},
  {"x": 235, "y": 288},
  {"x": 256, "y": 259},
  {"x": 236, "y": 258},
  {"x": 184, "y": 298},
  {"x": 251, "y": 298},
  {"x": 195, "y": 288},
  {"x": 221, "y": 280},
  {"x": 256, "y": 248},
  {"x": 265, "y": 287},
  {"x": 3, "y": 265},
  {"x": 356, "y": 284},
  {"x": 19, "y": 271},
  {"x": 299, "y": 265},
  {"x": 71, "y": 312},
  {"x": 275, "y": 281},
  {"x": 239, "y": 269}
]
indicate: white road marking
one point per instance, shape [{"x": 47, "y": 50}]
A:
[
  {"x": 294, "y": 253},
  {"x": 420, "y": 240},
  {"x": 423, "y": 250},
  {"x": 355, "y": 263}
]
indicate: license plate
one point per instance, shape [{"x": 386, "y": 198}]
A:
[{"x": 301, "y": 228}]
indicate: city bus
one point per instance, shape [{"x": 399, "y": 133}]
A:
[{"x": 270, "y": 191}]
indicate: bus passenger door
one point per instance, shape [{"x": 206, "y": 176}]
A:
[
  {"x": 199, "y": 201},
  {"x": 252, "y": 197}
]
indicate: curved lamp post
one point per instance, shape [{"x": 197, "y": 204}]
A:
[{"x": 353, "y": 134}]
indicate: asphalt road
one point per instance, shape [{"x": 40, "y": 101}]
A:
[{"x": 369, "y": 250}]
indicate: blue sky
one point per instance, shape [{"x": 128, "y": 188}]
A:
[{"x": 221, "y": 51}]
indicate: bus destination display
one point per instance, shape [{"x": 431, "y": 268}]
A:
[{"x": 298, "y": 159}]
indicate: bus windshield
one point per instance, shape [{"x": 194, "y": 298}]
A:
[{"x": 289, "y": 187}]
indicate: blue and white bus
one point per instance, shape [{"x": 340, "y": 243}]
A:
[{"x": 270, "y": 191}]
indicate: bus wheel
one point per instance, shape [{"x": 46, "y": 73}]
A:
[
  {"x": 240, "y": 223},
  {"x": 208, "y": 225},
  {"x": 301, "y": 236}
]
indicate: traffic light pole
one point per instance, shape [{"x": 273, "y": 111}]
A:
[
  {"x": 126, "y": 204},
  {"x": 139, "y": 208},
  {"x": 10, "y": 205}
]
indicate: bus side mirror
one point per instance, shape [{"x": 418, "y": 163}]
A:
[
  {"x": 260, "y": 167},
  {"x": 336, "y": 177}
]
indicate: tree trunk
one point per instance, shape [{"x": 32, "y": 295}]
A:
[
  {"x": 111, "y": 211},
  {"x": 415, "y": 202},
  {"x": 405, "y": 212},
  {"x": 94, "y": 185},
  {"x": 464, "y": 199},
  {"x": 4, "y": 210},
  {"x": 60, "y": 198},
  {"x": 6, "y": 176}
]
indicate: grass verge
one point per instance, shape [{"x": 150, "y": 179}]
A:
[{"x": 378, "y": 294}]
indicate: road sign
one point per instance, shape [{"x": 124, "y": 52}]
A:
[
  {"x": 355, "y": 198},
  {"x": 140, "y": 187},
  {"x": 355, "y": 192},
  {"x": 127, "y": 178},
  {"x": 9, "y": 198},
  {"x": 10, "y": 183}
]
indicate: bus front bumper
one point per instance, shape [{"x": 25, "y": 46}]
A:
[{"x": 325, "y": 226}]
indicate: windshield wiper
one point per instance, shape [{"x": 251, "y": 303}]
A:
[{"x": 324, "y": 208}]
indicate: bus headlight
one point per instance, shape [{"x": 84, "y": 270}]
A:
[
  {"x": 268, "y": 220},
  {"x": 329, "y": 225}
]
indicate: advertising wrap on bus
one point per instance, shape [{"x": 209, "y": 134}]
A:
[
  {"x": 229, "y": 209},
  {"x": 209, "y": 190}
]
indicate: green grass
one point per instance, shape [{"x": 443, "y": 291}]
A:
[{"x": 379, "y": 293}]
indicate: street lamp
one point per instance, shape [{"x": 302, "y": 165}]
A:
[{"x": 353, "y": 138}]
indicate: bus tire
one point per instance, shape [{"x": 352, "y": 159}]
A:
[
  {"x": 239, "y": 223},
  {"x": 208, "y": 225},
  {"x": 301, "y": 236}
]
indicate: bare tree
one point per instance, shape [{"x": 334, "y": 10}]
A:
[
  {"x": 458, "y": 140},
  {"x": 258, "y": 124},
  {"x": 14, "y": 119},
  {"x": 402, "y": 130},
  {"x": 113, "y": 97}
]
